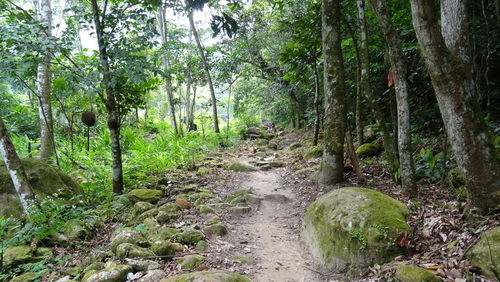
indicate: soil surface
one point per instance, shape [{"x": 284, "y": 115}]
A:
[{"x": 272, "y": 232}]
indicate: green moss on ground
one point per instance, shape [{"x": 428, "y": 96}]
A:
[
  {"x": 407, "y": 273},
  {"x": 208, "y": 276}
]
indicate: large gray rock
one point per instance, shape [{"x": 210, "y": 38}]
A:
[
  {"x": 352, "y": 228},
  {"x": 112, "y": 273},
  {"x": 127, "y": 250}
]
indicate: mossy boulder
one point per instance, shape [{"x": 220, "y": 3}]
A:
[
  {"x": 161, "y": 233},
  {"x": 76, "y": 229},
  {"x": 276, "y": 164},
  {"x": 216, "y": 229},
  {"x": 190, "y": 261},
  {"x": 313, "y": 152},
  {"x": 45, "y": 180},
  {"x": 352, "y": 228},
  {"x": 17, "y": 255},
  {"x": 183, "y": 203},
  {"x": 166, "y": 217},
  {"x": 190, "y": 237},
  {"x": 242, "y": 196},
  {"x": 486, "y": 253},
  {"x": 240, "y": 167},
  {"x": 205, "y": 209},
  {"x": 111, "y": 273},
  {"x": 208, "y": 276},
  {"x": 163, "y": 248},
  {"x": 127, "y": 250},
  {"x": 273, "y": 144},
  {"x": 26, "y": 277},
  {"x": 408, "y": 273},
  {"x": 144, "y": 195},
  {"x": 238, "y": 210},
  {"x": 261, "y": 142},
  {"x": 169, "y": 207},
  {"x": 127, "y": 236},
  {"x": 456, "y": 182},
  {"x": 368, "y": 150},
  {"x": 141, "y": 207},
  {"x": 201, "y": 246}
]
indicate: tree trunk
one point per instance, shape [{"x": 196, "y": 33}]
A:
[
  {"x": 354, "y": 159},
  {"x": 207, "y": 71},
  {"x": 398, "y": 69},
  {"x": 44, "y": 83},
  {"x": 445, "y": 50},
  {"x": 367, "y": 90},
  {"x": 16, "y": 170},
  {"x": 332, "y": 164},
  {"x": 316, "y": 104},
  {"x": 110, "y": 102},
  {"x": 187, "y": 101},
  {"x": 162, "y": 26}
]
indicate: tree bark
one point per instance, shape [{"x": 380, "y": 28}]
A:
[
  {"x": 332, "y": 164},
  {"x": 398, "y": 69},
  {"x": 110, "y": 102},
  {"x": 354, "y": 159},
  {"x": 445, "y": 51},
  {"x": 162, "y": 26},
  {"x": 207, "y": 71},
  {"x": 316, "y": 104},
  {"x": 16, "y": 170},
  {"x": 44, "y": 84},
  {"x": 368, "y": 92}
]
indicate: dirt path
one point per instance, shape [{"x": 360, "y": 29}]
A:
[{"x": 272, "y": 232}]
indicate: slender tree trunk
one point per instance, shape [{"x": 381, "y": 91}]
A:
[
  {"x": 353, "y": 157},
  {"x": 390, "y": 151},
  {"x": 187, "y": 102},
  {"x": 16, "y": 170},
  {"x": 110, "y": 102},
  {"x": 228, "y": 109},
  {"x": 193, "y": 103},
  {"x": 332, "y": 164},
  {"x": 162, "y": 26},
  {"x": 398, "y": 69},
  {"x": 207, "y": 71},
  {"x": 44, "y": 83},
  {"x": 359, "y": 92},
  {"x": 445, "y": 50},
  {"x": 316, "y": 104}
]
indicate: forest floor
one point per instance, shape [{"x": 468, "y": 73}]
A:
[{"x": 265, "y": 242}]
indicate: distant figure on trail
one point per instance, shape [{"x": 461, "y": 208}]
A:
[{"x": 271, "y": 127}]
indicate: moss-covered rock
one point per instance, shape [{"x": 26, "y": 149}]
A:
[
  {"x": 163, "y": 248},
  {"x": 205, "y": 209},
  {"x": 201, "y": 246},
  {"x": 313, "y": 152},
  {"x": 216, "y": 229},
  {"x": 241, "y": 196},
  {"x": 190, "y": 237},
  {"x": 352, "y": 228},
  {"x": 261, "y": 142},
  {"x": 238, "y": 210},
  {"x": 94, "y": 266},
  {"x": 152, "y": 275},
  {"x": 240, "y": 167},
  {"x": 17, "y": 255},
  {"x": 455, "y": 178},
  {"x": 368, "y": 150},
  {"x": 75, "y": 229},
  {"x": 486, "y": 253},
  {"x": 127, "y": 250},
  {"x": 208, "y": 276},
  {"x": 295, "y": 145},
  {"x": 141, "y": 207},
  {"x": 127, "y": 236},
  {"x": 244, "y": 259},
  {"x": 147, "y": 214},
  {"x": 161, "y": 233},
  {"x": 111, "y": 273},
  {"x": 190, "y": 261},
  {"x": 166, "y": 217},
  {"x": 183, "y": 203},
  {"x": 407, "y": 273},
  {"x": 45, "y": 180},
  {"x": 273, "y": 144},
  {"x": 169, "y": 207},
  {"x": 144, "y": 195},
  {"x": 26, "y": 277}
]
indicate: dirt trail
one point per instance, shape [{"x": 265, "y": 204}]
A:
[{"x": 272, "y": 233}]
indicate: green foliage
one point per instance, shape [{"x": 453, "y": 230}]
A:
[{"x": 429, "y": 165}]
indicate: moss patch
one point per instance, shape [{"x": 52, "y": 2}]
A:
[
  {"x": 368, "y": 150},
  {"x": 407, "y": 273},
  {"x": 313, "y": 152}
]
